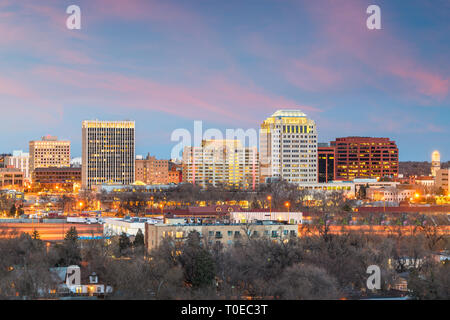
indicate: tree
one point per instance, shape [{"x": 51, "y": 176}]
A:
[
  {"x": 197, "y": 262},
  {"x": 139, "y": 242},
  {"x": 69, "y": 253},
  {"x": 305, "y": 282},
  {"x": 12, "y": 210},
  {"x": 35, "y": 235},
  {"x": 124, "y": 244},
  {"x": 71, "y": 235}
]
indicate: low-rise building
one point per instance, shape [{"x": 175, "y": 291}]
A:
[
  {"x": 128, "y": 225},
  {"x": 426, "y": 181},
  {"x": 389, "y": 194},
  {"x": 225, "y": 234},
  {"x": 52, "y": 177},
  {"x": 253, "y": 216},
  {"x": 11, "y": 178}
]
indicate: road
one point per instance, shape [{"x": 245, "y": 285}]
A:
[{"x": 52, "y": 231}]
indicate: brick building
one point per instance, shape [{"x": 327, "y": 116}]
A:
[{"x": 365, "y": 157}]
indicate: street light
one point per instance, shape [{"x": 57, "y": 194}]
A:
[
  {"x": 269, "y": 198},
  {"x": 287, "y": 204},
  {"x": 81, "y": 205}
]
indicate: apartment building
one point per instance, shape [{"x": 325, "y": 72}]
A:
[
  {"x": 225, "y": 234},
  {"x": 221, "y": 163}
]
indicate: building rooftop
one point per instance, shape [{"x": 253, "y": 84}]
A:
[{"x": 288, "y": 113}]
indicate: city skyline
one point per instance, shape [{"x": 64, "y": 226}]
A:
[{"x": 230, "y": 65}]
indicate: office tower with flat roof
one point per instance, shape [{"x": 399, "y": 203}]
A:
[
  {"x": 365, "y": 157},
  {"x": 108, "y": 152},
  {"x": 49, "y": 152},
  {"x": 221, "y": 163},
  {"x": 288, "y": 147}
]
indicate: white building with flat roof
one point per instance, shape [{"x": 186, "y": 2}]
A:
[
  {"x": 252, "y": 216},
  {"x": 128, "y": 225}
]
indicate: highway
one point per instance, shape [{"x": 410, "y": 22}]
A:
[{"x": 52, "y": 231}]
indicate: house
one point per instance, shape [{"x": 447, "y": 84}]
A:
[{"x": 70, "y": 281}]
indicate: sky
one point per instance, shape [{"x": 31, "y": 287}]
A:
[{"x": 230, "y": 64}]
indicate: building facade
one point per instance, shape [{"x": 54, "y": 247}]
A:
[
  {"x": 325, "y": 163},
  {"x": 52, "y": 177},
  {"x": 19, "y": 160},
  {"x": 435, "y": 163},
  {"x": 225, "y": 234},
  {"x": 288, "y": 147},
  {"x": 108, "y": 152},
  {"x": 365, "y": 157},
  {"x": 443, "y": 179},
  {"x": 390, "y": 194},
  {"x": 11, "y": 178},
  {"x": 221, "y": 163},
  {"x": 152, "y": 171},
  {"x": 49, "y": 152}
]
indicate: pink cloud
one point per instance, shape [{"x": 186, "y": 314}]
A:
[{"x": 216, "y": 99}]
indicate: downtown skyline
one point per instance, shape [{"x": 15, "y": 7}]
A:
[{"x": 230, "y": 65}]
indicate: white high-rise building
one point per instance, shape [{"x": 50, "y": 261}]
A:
[
  {"x": 20, "y": 160},
  {"x": 108, "y": 152},
  {"x": 288, "y": 147}
]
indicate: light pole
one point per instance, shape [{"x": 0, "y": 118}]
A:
[
  {"x": 269, "y": 198},
  {"x": 288, "y": 204}
]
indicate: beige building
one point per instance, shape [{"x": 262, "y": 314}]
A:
[
  {"x": 49, "y": 152},
  {"x": 108, "y": 152},
  {"x": 435, "y": 163},
  {"x": 19, "y": 160},
  {"x": 288, "y": 147},
  {"x": 226, "y": 234},
  {"x": 152, "y": 171},
  {"x": 221, "y": 162},
  {"x": 443, "y": 179},
  {"x": 11, "y": 178}
]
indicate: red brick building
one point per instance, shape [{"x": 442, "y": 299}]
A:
[
  {"x": 152, "y": 171},
  {"x": 365, "y": 157}
]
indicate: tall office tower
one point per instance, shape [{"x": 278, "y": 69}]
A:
[
  {"x": 20, "y": 160},
  {"x": 108, "y": 149},
  {"x": 326, "y": 168},
  {"x": 435, "y": 162},
  {"x": 288, "y": 147},
  {"x": 365, "y": 157},
  {"x": 221, "y": 163},
  {"x": 49, "y": 152},
  {"x": 152, "y": 171}
]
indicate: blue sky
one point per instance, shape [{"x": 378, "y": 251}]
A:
[{"x": 231, "y": 64}]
